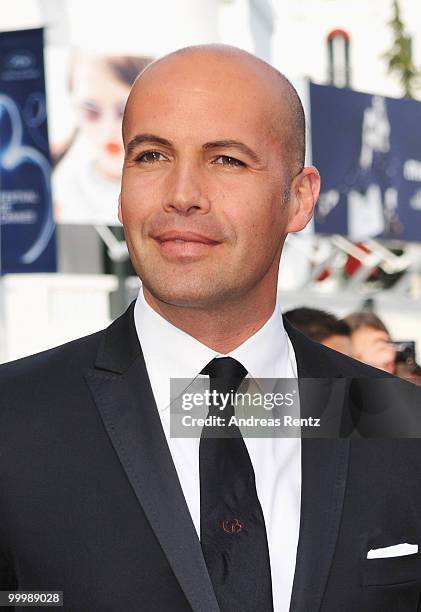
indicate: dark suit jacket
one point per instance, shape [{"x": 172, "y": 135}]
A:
[{"x": 90, "y": 502}]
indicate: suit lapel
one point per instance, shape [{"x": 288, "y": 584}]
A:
[
  {"x": 324, "y": 469},
  {"x": 123, "y": 395},
  {"x": 324, "y": 466}
]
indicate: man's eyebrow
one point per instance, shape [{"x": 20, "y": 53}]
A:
[
  {"x": 142, "y": 138},
  {"x": 233, "y": 144}
]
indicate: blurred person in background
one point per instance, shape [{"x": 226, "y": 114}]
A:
[
  {"x": 371, "y": 341},
  {"x": 86, "y": 179},
  {"x": 406, "y": 362},
  {"x": 322, "y": 327}
]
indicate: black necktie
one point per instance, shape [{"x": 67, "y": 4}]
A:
[{"x": 232, "y": 526}]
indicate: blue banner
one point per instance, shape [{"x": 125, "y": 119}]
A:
[
  {"x": 27, "y": 230},
  {"x": 368, "y": 151}
]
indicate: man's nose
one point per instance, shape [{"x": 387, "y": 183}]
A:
[{"x": 186, "y": 190}]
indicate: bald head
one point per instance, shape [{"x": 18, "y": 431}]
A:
[{"x": 224, "y": 66}]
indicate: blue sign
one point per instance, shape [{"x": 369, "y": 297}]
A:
[
  {"x": 368, "y": 151},
  {"x": 27, "y": 230}
]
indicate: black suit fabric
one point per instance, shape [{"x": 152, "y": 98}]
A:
[{"x": 91, "y": 505}]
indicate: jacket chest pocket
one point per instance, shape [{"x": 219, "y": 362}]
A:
[
  {"x": 393, "y": 571},
  {"x": 391, "y": 584}
]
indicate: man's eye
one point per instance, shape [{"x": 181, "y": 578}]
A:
[
  {"x": 150, "y": 157},
  {"x": 226, "y": 160}
]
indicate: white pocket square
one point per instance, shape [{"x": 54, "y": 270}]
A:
[{"x": 398, "y": 550}]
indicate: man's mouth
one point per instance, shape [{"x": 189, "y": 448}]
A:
[{"x": 184, "y": 245}]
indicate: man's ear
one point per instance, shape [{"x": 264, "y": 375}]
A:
[
  {"x": 120, "y": 215},
  {"x": 305, "y": 190}
]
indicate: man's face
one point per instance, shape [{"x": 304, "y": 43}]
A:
[
  {"x": 373, "y": 346},
  {"x": 204, "y": 184},
  {"x": 339, "y": 343}
]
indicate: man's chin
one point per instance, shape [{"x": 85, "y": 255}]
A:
[{"x": 184, "y": 297}]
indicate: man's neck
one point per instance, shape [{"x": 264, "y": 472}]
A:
[{"x": 221, "y": 329}]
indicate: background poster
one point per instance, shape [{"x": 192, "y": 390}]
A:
[
  {"x": 368, "y": 151},
  {"x": 88, "y": 160},
  {"x": 27, "y": 230}
]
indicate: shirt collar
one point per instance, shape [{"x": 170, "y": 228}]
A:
[
  {"x": 165, "y": 346},
  {"x": 170, "y": 352}
]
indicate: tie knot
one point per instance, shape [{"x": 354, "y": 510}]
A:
[{"x": 225, "y": 368}]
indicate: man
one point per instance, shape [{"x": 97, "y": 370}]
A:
[
  {"x": 322, "y": 327},
  {"x": 96, "y": 498},
  {"x": 371, "y": 341}
]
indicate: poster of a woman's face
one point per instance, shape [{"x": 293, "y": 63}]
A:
[{"x": 86, "y": 178}]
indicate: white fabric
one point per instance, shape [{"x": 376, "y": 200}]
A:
[
  {"x": 397, "y": 550},
  {"x": 171, "y": 353}
]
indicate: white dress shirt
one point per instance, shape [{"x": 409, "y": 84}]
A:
[{"x": 169, "y": 352}]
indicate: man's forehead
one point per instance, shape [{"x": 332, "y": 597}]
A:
[{"x": 195, "y": 118}]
